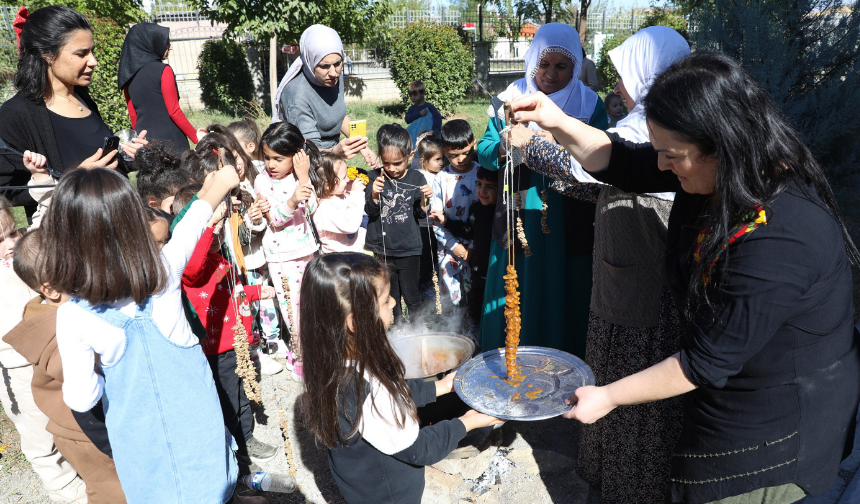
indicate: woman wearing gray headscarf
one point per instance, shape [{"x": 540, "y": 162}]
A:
[{"x": 310, "y": 95}]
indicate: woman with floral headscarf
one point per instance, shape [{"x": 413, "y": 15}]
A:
[
  {"x": 150, "y": 86},
  {"x": 310, "y": 95},
  {"x": 633, "y": 322},
  {"x": 555, "y": 281}
]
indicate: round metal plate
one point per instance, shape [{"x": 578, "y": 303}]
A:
[
  {"x": 426, "y": 355},
  {"x": 550, "y": 376}
]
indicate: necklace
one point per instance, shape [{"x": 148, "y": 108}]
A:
[{"x": 74, "y": 102}]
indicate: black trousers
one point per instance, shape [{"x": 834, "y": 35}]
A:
[
  {"x": 235, "y": 405},
  {"x": 404, "y": 272},
  {"x": 428, "y": 259}
]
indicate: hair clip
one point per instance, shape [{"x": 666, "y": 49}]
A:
[{"x": 18, "y": 24}]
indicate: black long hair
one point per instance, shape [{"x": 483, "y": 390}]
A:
[
  {"x": 286, "y": 139},
  {"x": 334, "y": 286},
  {"x": 707, "y": 99},
  {"x": 43, "y": 36}
]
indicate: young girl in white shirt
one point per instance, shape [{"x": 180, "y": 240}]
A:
[{"x": 341, "y": 205}]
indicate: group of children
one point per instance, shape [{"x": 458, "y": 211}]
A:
[{"x": 247, "y": 241}]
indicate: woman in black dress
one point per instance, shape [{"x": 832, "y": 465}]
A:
[
  {"x": 52, "y": 113},
  {"x": 150, "y": 87},
  {"x": 759, "y": 263}
]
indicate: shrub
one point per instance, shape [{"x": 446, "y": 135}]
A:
[
  {"x": 606, "y": 74},
  {"x": 108, "y": 36},
  {"x": 435, "y": 55},
  {"x": 225, "y": 79},
  {"x": 660, "y": 16}
]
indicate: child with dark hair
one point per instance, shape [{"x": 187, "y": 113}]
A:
[
  {"x": 360, "y": 406},
  {"x": 159, "y": 224},
  {"x": 419, "y": 110},
  {"x": 478, "y": 229},
  {"x": 453, "y": 195},
  {"x": 614, "y": 108},
  {"x": 159, "y": 174},
  {"x": 35, "y": 339},
  {"x": 341, "y": 201},
  {"x": 430, "y": 159},
  {"x": 289, "y": 199},
  {"x": 394, "y": 202},
  {"x": 248, "y": 134},
  {"x": 161, "y": 400}
]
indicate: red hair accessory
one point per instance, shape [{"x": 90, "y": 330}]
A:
[
  {"x": 216, "y": 152},
  {"x": 18, "y": 24}
]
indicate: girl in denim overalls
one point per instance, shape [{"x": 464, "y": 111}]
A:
[{"x": 124, "y": 339}]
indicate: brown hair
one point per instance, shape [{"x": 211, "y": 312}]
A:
[
  {"x": 5, "y": 210},
  {"x": 324, "y": 176},
  {"x": 184, "y": 195},
  {"x": 26, "y": 259},
  {"x": 97, "y": 244},
  {"x": 417, "y": 86},
  {"x": 248, "y": 130},
  {"x": 333, "y": 286},
  {"x": 223, "y": 137},
  {"x": 428, "y": 147},
  {"x": 201, "y": 162}
]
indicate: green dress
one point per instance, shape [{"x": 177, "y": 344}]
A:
[{"x": 555, "y": 287}]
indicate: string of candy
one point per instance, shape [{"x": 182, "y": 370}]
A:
[
  {"x": 244, "y": 366},
  {"x": 521, "y": 232},
  {"x": 288, "y": 448},
  {"x": 512, "y": 297},
  {"x": 433, "y": 265}
]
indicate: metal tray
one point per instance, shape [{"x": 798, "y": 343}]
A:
[
  {"x": 555, "y": 373},
  {"x": 431, "y": 355}
]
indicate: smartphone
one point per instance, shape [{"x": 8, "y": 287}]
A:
[
  {"x": 358, "y": 128},
  {"x": 111, "y": 144}
]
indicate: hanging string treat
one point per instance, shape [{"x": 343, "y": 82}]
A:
[
  {"x": 244, "y": 366},
  {"x": 288, "y": 448},
  {"x": 512, "y": 296},
  {"x": 521, "y": 232},
  {"x": 543, "y": 212}
]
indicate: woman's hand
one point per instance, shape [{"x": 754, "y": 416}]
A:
[
  {"x": 438, "y": 216},
  {"x": 475, "y": 420},
  {"x": 303, "y": 192},
  {"x": 538, "y": 108},
  {"x": 201, "y": 132},
  {"x": 35, "y": 164},
  {"x": 130, "y": 148},
  {"x": 350, "y": 146},
  {"x": 590, "y": 404},
  {"x": 371, "y": 158},
  {"x": 302, "y": 165},
  {"x": 519, "y": 136},
  {"x": 97, "y": 161},
  {"x": 445, "y": 385}
]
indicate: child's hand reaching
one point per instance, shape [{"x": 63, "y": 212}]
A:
[
  {"x": 35, "y": 164},
  {"x": 218, "y": 214},
  {"x": 438, "y": 216},
  {"x": 426, "y": 191},
  {"x": 302, "y": 166},
  {"x": 267, "y": 292},
  {"x": 254, "y": 212},
  {"x": 445, "y": 385},
  {"x": 303, "y": 192},
  {"x": 475, "y": 420},
  {"x": 378, "y": 186}
]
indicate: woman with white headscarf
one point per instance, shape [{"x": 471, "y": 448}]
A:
[
  {"x": 633, "y": 323},
  {"x": 310, "y": 95},
  {"x": 555, "y": 281}
]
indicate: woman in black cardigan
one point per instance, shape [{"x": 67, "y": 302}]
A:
[
  {"x": 52, "y": 113},
  {"x": 759, "y": 263}
]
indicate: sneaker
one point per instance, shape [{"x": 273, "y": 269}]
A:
[
  {"x": 278, "y": 349},
  {"x": 258, "y": 451},
  {"x": 75, "y": 492},
  {"x": 269, "y": 366}
]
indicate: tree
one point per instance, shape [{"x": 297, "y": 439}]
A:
[
  {"x": 805, "y": 53},
  {"x": 583, "y": 19},
  {"x": 124, "y": 12}
]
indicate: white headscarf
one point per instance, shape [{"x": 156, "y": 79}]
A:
[
  {"x": 639, "y": 60},
  {"x": 317, "y": 42},
  {"x": 576, "y": 99}
]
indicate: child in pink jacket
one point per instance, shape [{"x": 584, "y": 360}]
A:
[{"x": 340, "y": 207}]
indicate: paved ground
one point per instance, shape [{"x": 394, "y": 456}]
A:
[{"x": 534, "y": 463}]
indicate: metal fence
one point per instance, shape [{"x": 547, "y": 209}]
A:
[
  {"x": 439, "y": 15},
  {"x": 178, "y": 12}
]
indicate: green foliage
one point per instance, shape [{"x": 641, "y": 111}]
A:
[
  {"x": 355, "y": 20},
  {"x": 123, "y": 12},
  {"x": 806, "y": 55},
  {"x": 660, "y": 16},
  {"x": 108, "y": 36},
  {"x": 434, "y": 55},
  {"x": 606, "y": 74},
  {"x": 225, "y": 80}
]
